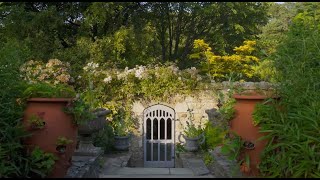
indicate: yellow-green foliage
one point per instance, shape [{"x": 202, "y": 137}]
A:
[
  {"x": 242, "y": 62},
  {"x": 266, "y": 70}
]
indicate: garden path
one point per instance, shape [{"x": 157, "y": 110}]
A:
[{"x": 115, "y": 166}]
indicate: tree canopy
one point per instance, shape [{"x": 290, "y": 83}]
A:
[{"x": 128, "y": 33}]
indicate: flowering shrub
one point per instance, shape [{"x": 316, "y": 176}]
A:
[
  {"x": 219, "y": 67},
  {"x": 53, "y": 72},
  {"x": 157, "y": 82}
]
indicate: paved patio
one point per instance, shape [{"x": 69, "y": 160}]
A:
[
  {"x": 115, "y": 166},
  {"x": 128, "y": 172}
]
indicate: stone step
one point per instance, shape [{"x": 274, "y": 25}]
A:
[
  {"x": 122, "y": 172},
  {"x": 223, "y": 167},
  {"x": 196, "y": 164},
  {"x": 155, "y": 176},
  {"x": 149, "y": 171}
]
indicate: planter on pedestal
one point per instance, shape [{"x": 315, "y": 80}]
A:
[
  {"x": 86, "y": 147},
  {"x": 57, "y": 123},
  {"x": 121, "y": 143},
  {"x": 192, "y": 144}
]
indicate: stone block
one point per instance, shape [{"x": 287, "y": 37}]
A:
[
  {"x": 137, "y": 107},
  {"x": 84, "y": 167},
  {"x": 181, "y": 107}
]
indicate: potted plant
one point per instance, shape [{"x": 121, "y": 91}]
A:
[
  {"x": 62, "y": 143},
  {"x": 192, "y": 135},
  {"x": 36, "y": 121},
  {"x": 89, "y": 120},
  {"x": 41, "y": 163},
  {"x": 121, "y": 122},
  {"x": 80, "y": 110},
  {"x": 245, "y": 165}
]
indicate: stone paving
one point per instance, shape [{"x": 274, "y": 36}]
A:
[
  {"x": 194, "y": 163},
  {"x": 222, "y": 167},
  {"x": 152, "y": 173},
  {"x": 115, "y": 167}
]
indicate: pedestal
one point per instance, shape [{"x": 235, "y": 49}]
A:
[{"x": 86, "y": 147}]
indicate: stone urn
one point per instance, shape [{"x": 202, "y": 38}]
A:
[
  {"x": 85, "y": 131},
  {"x": 121, "y": 143},
  {"x": 192, "y": 144}
]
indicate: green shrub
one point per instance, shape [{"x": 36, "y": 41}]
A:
[
  {"x": 260, "y": 112},
  {"x": 293, "y": 123},
  {"x": 13, "y": 162},
  {"x": 227, "y": 110},
  {"x": 44, "y": 90},
  {"x": 104, "y": 138},
  {"x": 41, "y": 163},
  {"x": 241, "y": 62},
  {"x": 232, "y": 147},
  {"x": 80, "y": 110},
  {"x": 159, "y": 82},
  {"x": 208, "y": 159},
  {"x": 214, "y": 136}
]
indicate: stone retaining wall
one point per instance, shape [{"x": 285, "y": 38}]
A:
[{"x": 203, "y": 103}]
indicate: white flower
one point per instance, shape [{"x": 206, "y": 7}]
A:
[
  {"x": 108, "y": 79},
  {"x": 179, "y": 78},
  {"x": 91, "y": 65},
  {"x": 121, "y": 76},
  {"x": 95, "y": 65},
  {"x": 139, "y": 72}
]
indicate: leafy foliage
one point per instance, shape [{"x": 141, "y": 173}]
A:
[
  {"x": 124, "y": 34},
  {"x": 232, "y": 147},
  {"x": 104, "y": 138},
  {"x": 260, "y": 112},
  {"x": 63, "y": 141},
  {"x": 44, "y": 90},
  {"x": 13, "y": 163},
  {"x": 227, "y": 109},
  {"x": 208, "y": 159},
  {"x": 273, "y": 33},
  {"x": 41, "y": 162},
  {"x": 80, "y": 110},
  {"x": 144, "y": 82},
  {"x": 214, "y": 136},
  {"x": 191, "y": 131},
  {"x": 122, "y": 122},
  {"x": 293, "y": 123},
  {"x": 219, "y": 67},
  {"x": 36, "y": 121}
]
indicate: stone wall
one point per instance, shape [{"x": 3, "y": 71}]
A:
[{"x": 203, "y": 104}]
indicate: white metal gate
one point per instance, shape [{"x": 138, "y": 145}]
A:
[{"x": 159, "y": 136}]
